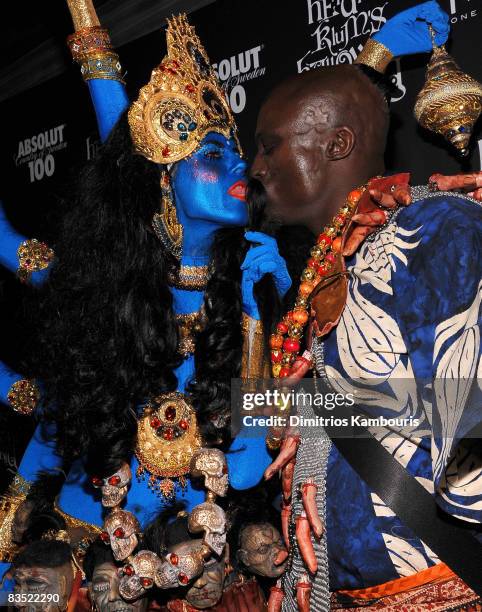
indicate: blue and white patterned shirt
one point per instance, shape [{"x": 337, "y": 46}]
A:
[{"x": 408, "y": 344}]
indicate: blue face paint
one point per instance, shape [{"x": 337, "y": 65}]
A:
[{"x": 209, "y": 189}]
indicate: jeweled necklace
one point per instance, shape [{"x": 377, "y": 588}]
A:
[{"x": 284, "y": 350}]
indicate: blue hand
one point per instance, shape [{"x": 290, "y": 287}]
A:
[
  {"x": 260, "y": 260},
  {"x": 407, "y": 32}
]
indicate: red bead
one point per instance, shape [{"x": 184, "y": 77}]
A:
[
  {"x": 155, "y": 423},
  {"x": 96, "y": 481},
  {"x": 276, "y": 341},
  {"x": 324, "y": 238},
  {"x": 330, "y": 257},
  {"x": 129, "y": 570},
  {"x": 291, "y": 345},
  {"x": 312, "y": 263},
  {"x": 104, "y": 536},
  {"x": 183, "y": 579},
  {"x": 284, "y": 372},
  {"x": 174, "y": 559},
  {"x": 168, "y": 434},
  {"x": 114, "y": 480},
  {"x": 170, "y": 413},
  {"x": 340, "y": 219},
  {"x": 184, "y": 425},
  {"x": 119, "y": 532},
  {"x": 322, "y": 270},
  {"x": 146, "y": 582},
  {"x": 190, "y": 88},
  {"x": 276, "y": 356},
  {"x": 282, "y": 328}
]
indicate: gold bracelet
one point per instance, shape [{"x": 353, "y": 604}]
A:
[
  {"x": 375, "y": 55},
  {"x": 23, "y": 396},
  {"x": 33, "y": 256}
]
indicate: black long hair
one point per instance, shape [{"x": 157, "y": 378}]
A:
[{"x": 107, "y": 336}]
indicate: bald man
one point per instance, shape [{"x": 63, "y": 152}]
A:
[{"x": 407, "y": 347}]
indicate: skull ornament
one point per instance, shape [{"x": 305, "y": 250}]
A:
[
  {"x": 211, "y": 463},
  {"x": 121, "y": 529},
  {"x": 210, "y": 518},
  {"x": 181, "y": 569},
  {"x": 114, "y": 488},
  {"x": 139, "y": 575}
]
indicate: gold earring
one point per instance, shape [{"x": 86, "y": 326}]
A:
[{"x": 165, "y": 223}]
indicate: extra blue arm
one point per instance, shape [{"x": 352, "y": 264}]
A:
[{"x": 110, "y": 100}]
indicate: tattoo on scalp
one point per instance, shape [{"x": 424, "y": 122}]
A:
[{"x": 313, "y": 118}]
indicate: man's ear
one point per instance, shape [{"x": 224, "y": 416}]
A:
[{"x": 340, "y": 144}]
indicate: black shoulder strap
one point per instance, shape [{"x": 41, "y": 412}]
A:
[{"x": 413, "y": 505}]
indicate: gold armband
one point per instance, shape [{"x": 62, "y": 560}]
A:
[
  {"x": 9, "y": 503},
  {"x": 375, "y": 55},
  {"x": 23, "y": 396},
  {"x": 33, "y": 256}
]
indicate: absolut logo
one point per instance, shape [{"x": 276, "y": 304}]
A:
[
  {"x": 237, "y": 69},
  {"x": 340, "y": 28},
  {"x": 37, "y": 151}
]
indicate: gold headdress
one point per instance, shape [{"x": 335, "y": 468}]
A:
[
  {"x": 450, "y": 101},
  {"x": 181, "y": 103}
]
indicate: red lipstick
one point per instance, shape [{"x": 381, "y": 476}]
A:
[{"x": 238, "y": 190}]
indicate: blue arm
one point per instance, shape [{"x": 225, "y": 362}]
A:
[
  {"x": 247, "y": 459},
  {"x": 110, "y": 100}
]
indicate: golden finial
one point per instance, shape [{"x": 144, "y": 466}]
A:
[{"x": 450, "y": 102}]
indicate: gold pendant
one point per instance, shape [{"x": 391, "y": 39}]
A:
[{"x": 167, "y": 438}]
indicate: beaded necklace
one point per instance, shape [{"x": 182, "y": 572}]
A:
[{"x": 285, "y": 343}]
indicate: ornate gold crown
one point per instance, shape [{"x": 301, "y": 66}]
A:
[
  {"x": 181, "y": 103},
  {"x": 450, "y": 101}
]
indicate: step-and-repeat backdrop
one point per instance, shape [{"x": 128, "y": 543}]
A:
[{"x": 50, "y": 130}]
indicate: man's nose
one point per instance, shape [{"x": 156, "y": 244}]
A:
[{"x": 258, "y": 168}]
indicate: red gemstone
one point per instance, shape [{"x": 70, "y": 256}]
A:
[
  {"x": 322, "y": 270},
  {"x": 104, "y": 536},
  {"x": 282, "y": 328},
  {"x": 155, "y": 423},
  {"x": 129, "y": 570},
  {"x": 174, "y": 559},
  {"x": 291, "y": 345},
  {"x": 119, "y": 532},
  {"x": 324, "y": 238},
  {"x": 184, "y": 425},
  {"x": 146, "y": 582},
  {"x": 312, "y": 263},
  {"x": 166, "y": 151},
  {"x": 168, "y": 434},
  {"x": 190, "y": 88},
  {"x": 284, "y": 372},
  {"x": 276, "y": 356},
  {"x": 96, "y": 481},
  {"x": 114, "y": 480},
  {"x": 170, "y": 413},
  {"x": 330, "y": 257},
  {"x": 183, "y": 579}
]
